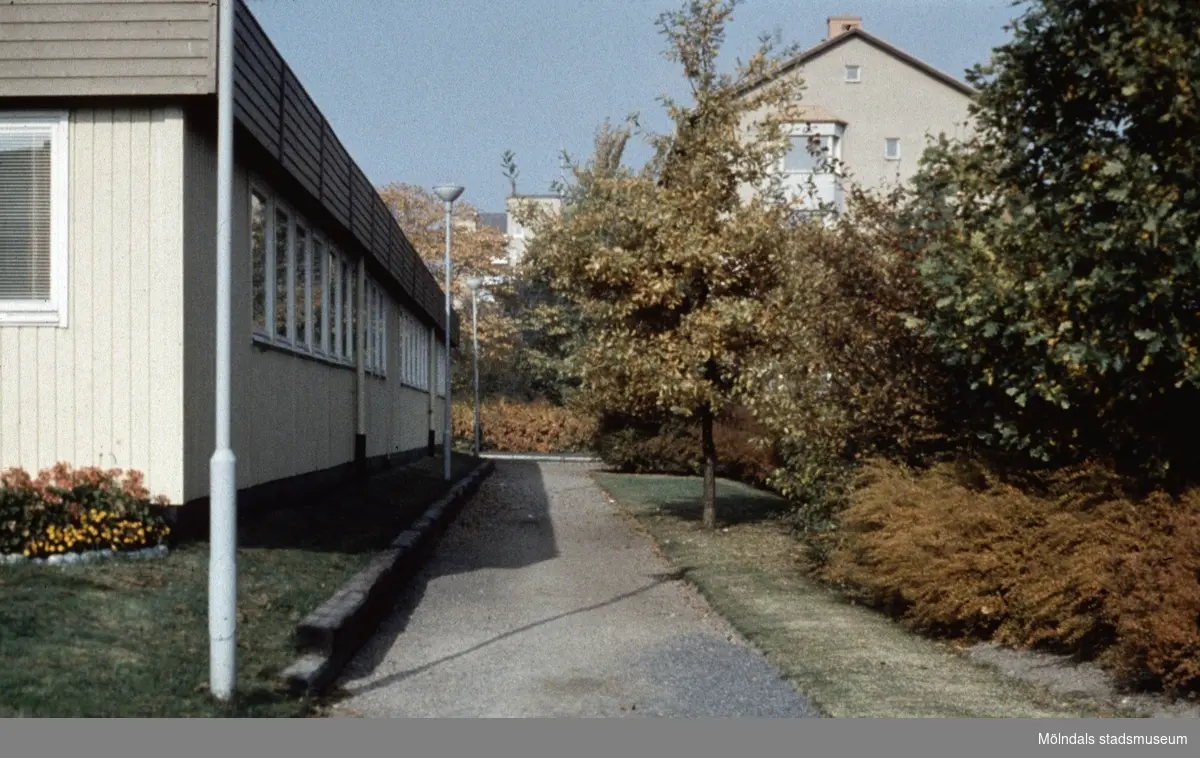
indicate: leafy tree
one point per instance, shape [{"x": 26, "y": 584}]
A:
[
  {"x": 669, "y": 265},
  {"x": 1062, "y": 243},
  {"x": 476, "y": 248},
  {"x": 509, "y": 163},
  {"x": 838, "y": 378},
  {"x": 422, "y": 216}
]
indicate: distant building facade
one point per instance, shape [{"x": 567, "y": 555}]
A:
[
  {"x": 869, "y": 107},
  {"x": 517, "y": 233}
]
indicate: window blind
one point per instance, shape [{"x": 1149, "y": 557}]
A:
[{"x": 25, "y": 213}]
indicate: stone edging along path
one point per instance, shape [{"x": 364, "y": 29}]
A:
[
  {"x": 89, "y": 556},
  {"x": 329, "y": 636}
]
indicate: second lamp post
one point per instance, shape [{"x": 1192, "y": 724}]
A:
[
  {"x": 474, "y": 283},
  {"x": 448, "y": 193}
]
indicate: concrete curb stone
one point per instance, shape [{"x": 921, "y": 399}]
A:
[{"x": 328, "y": 637}]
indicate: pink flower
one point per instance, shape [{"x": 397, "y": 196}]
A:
[{"x": 15, "y": 478}]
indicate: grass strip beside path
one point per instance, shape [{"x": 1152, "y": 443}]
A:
[
  {"x": 130, "y": 638},
  {"x": 848, "y": 660}
]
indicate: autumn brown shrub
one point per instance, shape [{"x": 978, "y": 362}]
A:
[
  {"x": 536, "y": 427},
  {"x": 1069, "y": 562},
  {"x": 1156, "y": 602}
]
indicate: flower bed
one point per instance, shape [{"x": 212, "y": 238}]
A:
[{"x": 72, "y": 515}]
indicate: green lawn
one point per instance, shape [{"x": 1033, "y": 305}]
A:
[
  {"x": 130, "y": 638},
  {"x": 847, "y": 660}
]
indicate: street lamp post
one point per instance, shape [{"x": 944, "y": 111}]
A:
[
  {"x": 222, "y": 557},
  {"x": 448, "y": 193},
  {"x": 474, "y": 283}
]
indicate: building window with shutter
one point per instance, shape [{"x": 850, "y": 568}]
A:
[{"x": 33, "y": 218}]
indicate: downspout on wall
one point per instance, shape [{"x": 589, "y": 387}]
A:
[
  {"x": 360, "y": 338},
  {"x": 432, "y": 390}
]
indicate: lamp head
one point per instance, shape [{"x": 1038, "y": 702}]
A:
[
  {"x": 474, "y": 283},
  {"x": 448, "y": 192}
]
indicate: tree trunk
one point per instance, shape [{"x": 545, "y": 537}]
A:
[{"x": 710, "y": 468}]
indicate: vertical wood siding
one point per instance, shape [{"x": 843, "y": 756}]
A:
[
  {"x": 107, "y": 389},
  {"x": 292, "y": 414}
]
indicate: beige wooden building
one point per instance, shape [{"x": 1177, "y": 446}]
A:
[{"x": 107, "y": 262}]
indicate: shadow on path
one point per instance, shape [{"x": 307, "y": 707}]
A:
[
  {"x": 507, "y": 525},
  {"x": 680, "y": 497},
  {"x": 402, "y": 675}
]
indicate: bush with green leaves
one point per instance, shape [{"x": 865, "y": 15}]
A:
[
  {"x": 664, "y": 444},
  {"x": 839, "y": 377},
  {"x": 1061, "y": 244}
]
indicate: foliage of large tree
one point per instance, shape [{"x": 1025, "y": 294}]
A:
[
  {"x": 838, "y": 377},
  {"x": 475, "y": 248},
  {"x": 422, "y": 216},
  {"x": 1062, "y": 243},
  {"x": 669, "y": 265},
  {"x": 553, "y": 328}
]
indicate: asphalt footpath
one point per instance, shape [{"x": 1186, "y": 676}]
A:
[{"x": 543, "y": 601}]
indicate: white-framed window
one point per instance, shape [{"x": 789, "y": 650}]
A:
[
  {"x": 368, "y": 341},
  {"x": 337, "y": 322},
  {"x": 414, "y": 347},
  {"x": 319, "y": 295},
  {"x": 440, "y": 370},
  {"x": 260, "y": 261},
  {"x": 333, "y": 280},
  {"x": 810, "y": 153},
  {"x": 421, "y": 357},
  {"x": 891, "y": 148},
  {"x": 33, "y": 218},
  {"x": 415, "y": 353},
  {"x": 350, "y": 307},
  {"x": 371, "y": 324},
  {"x": 853, "y": 73},
  {"x": 302, "y": 286},
  {"x": 426, "y": 347},
  {"x": 421, "y": 340},
  {"x": 383, "y": 332},
  {"x": 282, "y": 247},
  {"x": 374, "y": 324},
  {"x": 406, "y": 356}
]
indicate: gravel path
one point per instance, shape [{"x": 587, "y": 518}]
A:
[{"x": 543, "y": 601}]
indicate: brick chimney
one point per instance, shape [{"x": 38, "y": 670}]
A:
[{"x": 841, "y": 24}]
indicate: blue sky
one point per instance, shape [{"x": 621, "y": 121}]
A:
[{"x": 431, "y": 91}]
